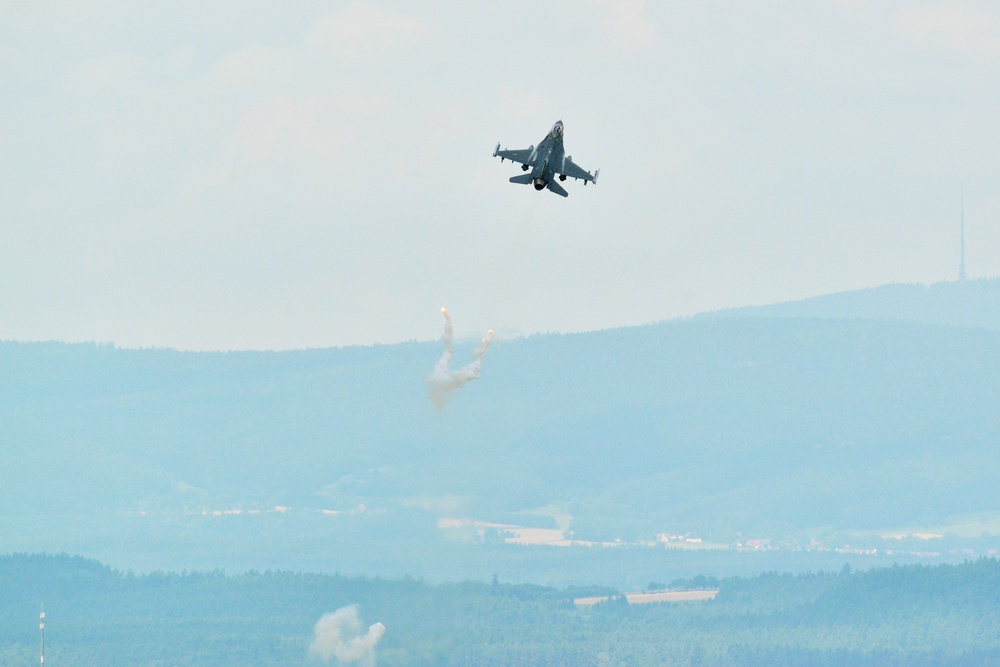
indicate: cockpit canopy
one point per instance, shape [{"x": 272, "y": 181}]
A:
[{"x": 557, "y": 129}]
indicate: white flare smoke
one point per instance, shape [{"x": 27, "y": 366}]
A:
[
  {"x": 443, "y": 381},
  {"x": 339, "y": 635}
]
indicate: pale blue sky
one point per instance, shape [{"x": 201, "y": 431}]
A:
[{"x": 253, "y": 176}]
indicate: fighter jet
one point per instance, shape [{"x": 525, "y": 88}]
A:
[{"x": 546, "y": 162}]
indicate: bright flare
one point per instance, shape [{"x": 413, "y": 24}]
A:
[{"x": 443, "y": 381}]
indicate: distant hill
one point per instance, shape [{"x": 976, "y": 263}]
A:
[
  {"x": 971, "y": 304},
  {"x": 727, "y": 428}
]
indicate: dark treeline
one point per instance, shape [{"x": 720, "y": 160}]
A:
[{"x": 913, "y": 615}]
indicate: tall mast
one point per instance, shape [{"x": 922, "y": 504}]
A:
[
  {"x": 961, "y": 265},
  {"x": 41, "y": 628}
]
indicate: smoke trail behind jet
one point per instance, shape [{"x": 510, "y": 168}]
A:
[
  {"x": 339, "y": 635},
  {"x": 443, "y": 381}
]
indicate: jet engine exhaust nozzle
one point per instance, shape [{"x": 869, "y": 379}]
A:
[{"x": 540, "y": 184}]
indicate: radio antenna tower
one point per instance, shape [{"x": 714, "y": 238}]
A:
[
  {"x": 41, "y": 628},
  {"x": 961, "y": 265}
]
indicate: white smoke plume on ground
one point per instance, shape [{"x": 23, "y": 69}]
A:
[
  {"x": 339, "y": 635},
  {"x": 443, "y": 381}
]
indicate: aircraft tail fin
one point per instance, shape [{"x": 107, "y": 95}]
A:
[
  {"x": 523, "y": 179},
  {"x": 556, "y": 188}
]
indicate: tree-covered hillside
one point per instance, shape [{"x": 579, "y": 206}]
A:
[
  {"x": 786, "y": 430},
  {"x": 946, "y": 615},
  {"x": 973, "y": 304}
]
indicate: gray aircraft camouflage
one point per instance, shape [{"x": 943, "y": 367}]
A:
[{"x": 546, "y": 162}]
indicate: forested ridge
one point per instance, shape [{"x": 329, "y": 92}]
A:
[
  {"x": 973, "y": 304},
  {"x": 909, "y": 615},
  {"x": 790, "y": 443},
  {"x": 792, "y": 430}
]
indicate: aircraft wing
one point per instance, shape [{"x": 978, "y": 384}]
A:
[
  {"x": 523, "y": 156},
  {"x": 572, "y": 170}
]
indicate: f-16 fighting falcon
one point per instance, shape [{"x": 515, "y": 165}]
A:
[{"x": 546, "y": 162}]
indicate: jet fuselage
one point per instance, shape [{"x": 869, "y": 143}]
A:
[
  {"x": 549, "y": 157},
  {"x": 543, "y": 165}
]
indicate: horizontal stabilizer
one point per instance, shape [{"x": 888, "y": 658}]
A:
[
  {"x": 558, "y": 189},
  {"x": 523, "y": 179}
]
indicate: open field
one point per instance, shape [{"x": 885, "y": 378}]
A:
[
  {"x": 655, "y": 596},
  {"x": 962, "y": 525},
  {"x": 514, "y": 534}
]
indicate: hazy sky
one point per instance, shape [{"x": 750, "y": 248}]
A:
[{"x": 232, "y": 175}]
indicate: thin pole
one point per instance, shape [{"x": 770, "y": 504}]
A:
[{"x": 961, "y": 266}]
